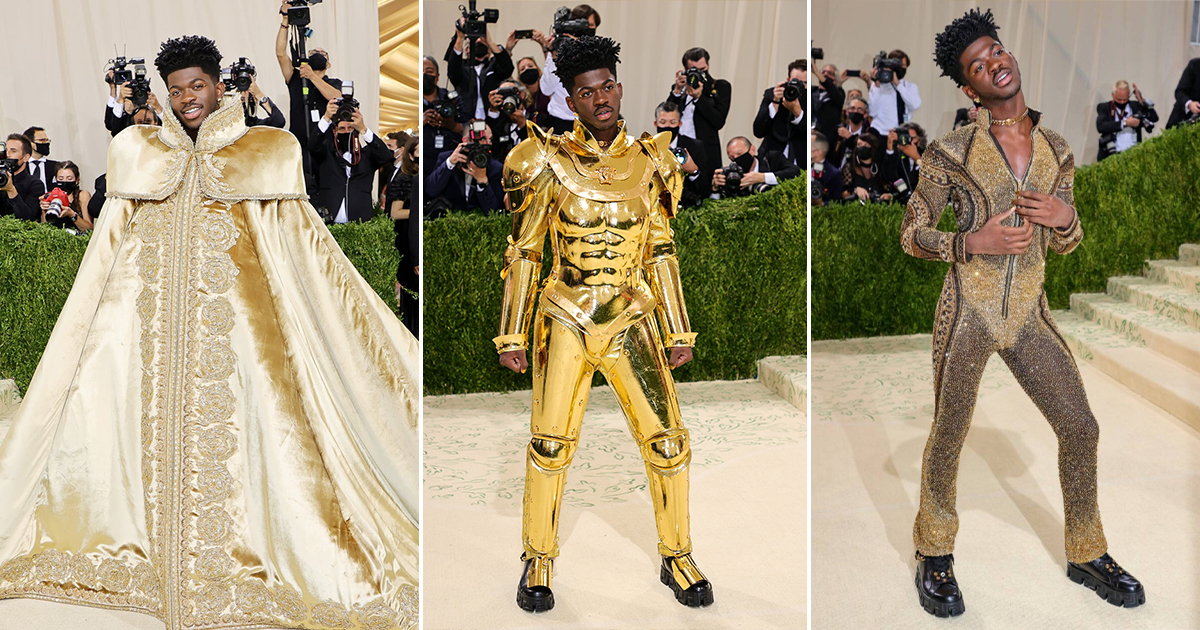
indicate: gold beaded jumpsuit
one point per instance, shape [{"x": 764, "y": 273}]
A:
[
  {"x": 611, "y": 303},
  {"x": 996, "y": 303}
]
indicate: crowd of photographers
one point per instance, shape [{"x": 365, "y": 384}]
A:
[
  {"x": 477, "y": 112},
  {"x": 866, "y": 149}
]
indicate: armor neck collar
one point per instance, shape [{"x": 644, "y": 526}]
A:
[
  {"x": 583, "y": 139},
  {"x": 221, "y": 129}
]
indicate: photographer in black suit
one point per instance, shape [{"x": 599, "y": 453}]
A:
[
  {"x": 1187, "y": 95},
  {"x": 703, "y": 104},
  {"x": 22, "y": 194},
  {"x": 778, "y": 119},
  {"x": 40, "y": 166},
  {"x": 697, "y": 181},
  {"x": 759, "y": 172},
  {"x": 457, "y": 183},
  {"x": 345, "y": 156},
  {"x": 828, "y": 99},
  {"x": 120, "y": 111},
  {"x": 260, "y": 109},
  {"x": 902, "y": 159},
  {"x": 1121, "y": 121},
  {"x": 825, "y": 173},
  {"x": 487, "y": 65},
  {"x": 438, "y": 133}
]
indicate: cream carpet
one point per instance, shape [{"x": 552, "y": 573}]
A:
[
  {"x": 872, "y": 407},
  {"x": 747, "y": 508}
]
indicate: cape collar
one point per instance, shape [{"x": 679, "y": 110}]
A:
[{"x": 221, "y": 129}]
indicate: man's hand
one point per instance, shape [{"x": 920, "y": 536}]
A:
[
  {"x": 891, "y": 140},
  {"x": 1044, "y": 209},
  {"x": 306, "y": 72},
  {"x": 718, "y": 181},
  {"x": 680, "y": 82},
  {"x": 10, "y": 189},
  {"x": 1138, "y": 94},
  {"x": 843, "y": 132},
  {"x": 694, "y": 92},
  {"x": 777, "y": 92},
  {"x": 152, "y": 101},
  {"x": 357, "y": 123},
  {"x": 1132, "y": 122},
  {"x": 540, "y": 38},
  {"x": 910, "y": 150},
  {"x": 689, "y": 165},
  {"x": 679, "y": 356},
  {"x": 330, "y": 109},
  {"x": 480, "y": 174},
  {"x": 457, "y": 156},
  {"x": 750, "y": 179},
  {"x": 254, "y": 89},
  {"x": 1194, "y": 107},
  {"x": 433, "y": 119},
  {"x": 973, "y": 113},
  {"x": 885, "y": 197},
  {"x": 112, "y": 87},
  {"x": 997, "y": 239},
  {"x": 796, "y": 107},
  {"x": 515, "y": 360},
  {"x": 494, "y": 99}
]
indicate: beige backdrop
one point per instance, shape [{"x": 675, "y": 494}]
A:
[
  {"x": 56, "y": 52},
  {"x": 751, "y": 43},
  {"x": 1070, "y": 53}
]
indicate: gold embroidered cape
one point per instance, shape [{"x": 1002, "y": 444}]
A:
[{"x": 222, "y": 430}]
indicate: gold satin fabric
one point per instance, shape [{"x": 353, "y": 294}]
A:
[{"x": 222, "y": 429}]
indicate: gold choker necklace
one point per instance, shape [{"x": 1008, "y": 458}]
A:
[{"x": 1011, "y": 121}]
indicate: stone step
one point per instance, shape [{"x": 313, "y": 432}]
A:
[
  {"x": 1163, "y": 335},
  {"x": 1161, "y": 381},
  {"x": 787, "y": 377},
  {"x": 10, "y": 400},
  {"x": 1189, "y": 253},
  {"x": 1178, "y": 304},
  {"x": 1176, "y": 273}
]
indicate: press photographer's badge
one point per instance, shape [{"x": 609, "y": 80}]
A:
[
  {"x": 439, "y": 142},
  {"x": 315, "y": 115}
]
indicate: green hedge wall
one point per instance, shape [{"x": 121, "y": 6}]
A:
[
  {"x": 743, "y": 268},
  {"x": 1135, "y": 206},
  {"x": 38, "y": 264}
]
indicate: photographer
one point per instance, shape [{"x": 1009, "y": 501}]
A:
[
  {"x": 259, "y": 109},
  {"x": 22, "y": 191},
  {"x": 39, "y": 166},
  {"x": 697, "y": 183},
  {"x": 1121, "y": 122},
  {"x": 120, "y": 111},
  {"x": 857, "y": 123},
  {"x": 757, "y": 173},
  {"x": 508, "y": 129},
  {"x": 902, "y": 159},
  {"x": 72, "y": 215},
  {"x": 778, "y": 119},
  {"x": 892, "y": 101},
  {"x": 460, "y": 182},
  {"x": 965, "y": 116},
  {"x": 438, "y": 132},
  {"x": 346, "y": 155},
  {"x": 401, "y": 199},
  {"x": 862, "y": 178},
  {"x": 828, "y": 100},
  {"x": 314, "y": 69},
  {"x": 703, "y": 103},
  {"x": 1187, "y": 96},
  {"x": 531, "y": 77},
  {"x": 827, "y": 178},
  {"x": 486, "y": 67},
  {"x": 395, "y": 142},
  {"x": 561, "y": 118}
]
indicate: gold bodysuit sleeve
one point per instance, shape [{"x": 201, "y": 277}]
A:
[
  {"x": 662, "y": 265},
  {"x": 530, "y": 189},
  {"x": 1062, "y": 241},
  {"x": 919, "y": 235}
]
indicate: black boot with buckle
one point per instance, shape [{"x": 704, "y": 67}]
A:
[
  {"x": 937, "y": 586},
  {"x": 1112, "y": 583}
]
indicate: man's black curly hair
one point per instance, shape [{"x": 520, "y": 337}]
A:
[
  {"x": 587, "y": 53},
  {"x": 950, "y": 44},
  {"x": 189, "y": 51}
]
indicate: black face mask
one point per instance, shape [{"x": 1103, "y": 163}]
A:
[
  {"x": 318, "y": 61},
  {"x": 674, "y": 131},
  {"x": 745, "y": 161},
  {"x": 864, "y": 153},
  {"x": 529, "y": 76},
  {"x": 428, "y": 84},
  {"x": 67, "y": 187},
  {"x": 342, "y": 140},
  {"x": 900, "y": 73},
  {"x": 480, "y": 49},
  {"x": 855, "y": 117},
  {"x": 42, "y": 147}
]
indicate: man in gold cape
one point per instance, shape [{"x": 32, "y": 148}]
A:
[{"x": 222, "y": 429}]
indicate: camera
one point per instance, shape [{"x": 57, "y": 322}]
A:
[
  {"x": 816, "y": 190},
  {"x": 298, "y": 13},
  {"x": 733, "y": 180},
  {"x": 695, "y": 77},
  {"x": 903, "y": 138},
  {"x": 1146, "y": 125},
  {"x": 121, "y": 71},
  {"x": 792, "y": 90},
  {"x": 347, "y": 105},
  {"x": 564, "y": 25},
  {"x": 241, "y": 74},
  {"x": 474, "y": 24},
  {"x": 8, "y": 166},
  {"x": 817, "y": 54},
  {"x": 446, "y": 108},
  {"x": 680, "y": 154},
  {"x": 512, "y": 99},
  {"x": 57, "y": 199},
  {"x": 140, "y": 85},
  {"x": 477, "y": 153},
  {"x": 885, "y": 67}
]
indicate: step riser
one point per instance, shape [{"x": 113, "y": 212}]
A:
[
  {"x": 1182, "y": 314},
  {"x": 1174, "y": 276},
  {"x": 1189, "y": 254},
  {"x": 1144, "y": 385},
  {"x": 788, "y": 385},
  {"x": 1131, "y": 330}
]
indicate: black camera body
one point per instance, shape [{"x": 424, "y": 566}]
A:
[
  {"x": 512, "y": 99},
  {"x": 475, "y": 150},
  {"x": 695, "y": 77},
  {"x": 122, "y": 73},
  {"x": 140, "y": 86},
  {"x": 817, "y": 54},
  {"x": 8, "y": 166},
  {"x": 816, "y": 189},
  {"x": 347, "y": 105},
  {"x": 475, "y": 23},
  {"x": 1146, "y": 124},
  {"x": 733, "y": 180},
  {"x": 564, "y": 25},
  {"x": 903, "y": 138},
  {"x": 242, "y": 74},
  {"x": 298, "y": 13},
  {"x": 445, "y": 107},
  {"x": 886, "y": 67},
  {"x": 792, "y": 90}
]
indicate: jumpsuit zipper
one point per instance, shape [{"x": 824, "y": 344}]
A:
[{"x": 1018, "y": 222}]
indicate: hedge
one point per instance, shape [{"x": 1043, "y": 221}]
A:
[
  {"x": 742, "y": 265},
  {"x": 38, "y": 264},
  {"x": 1135, "y": 206}
]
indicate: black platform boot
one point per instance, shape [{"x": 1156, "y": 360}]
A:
[
  {"x": 690, "y": 586},
  {"x": 937, "y": 586},
  {"x": 538, "y": 597},
  {"x": 1112, "y": 583}
]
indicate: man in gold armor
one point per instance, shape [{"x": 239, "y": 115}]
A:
[
  {"x": 1009, "y": 180},
  {"x": 612, "y": 303}
]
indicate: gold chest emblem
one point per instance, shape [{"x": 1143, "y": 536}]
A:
[{"x": 605, "y": 174}]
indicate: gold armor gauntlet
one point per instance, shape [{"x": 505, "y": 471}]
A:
[{"x": 662, "y": 266}]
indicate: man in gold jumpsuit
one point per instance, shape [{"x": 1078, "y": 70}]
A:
[
  {"x": 612, "y": 303},
  {"x": 1009, "y": 181}
]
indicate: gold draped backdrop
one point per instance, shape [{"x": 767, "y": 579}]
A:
[{"x": 399, "y": 64}]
